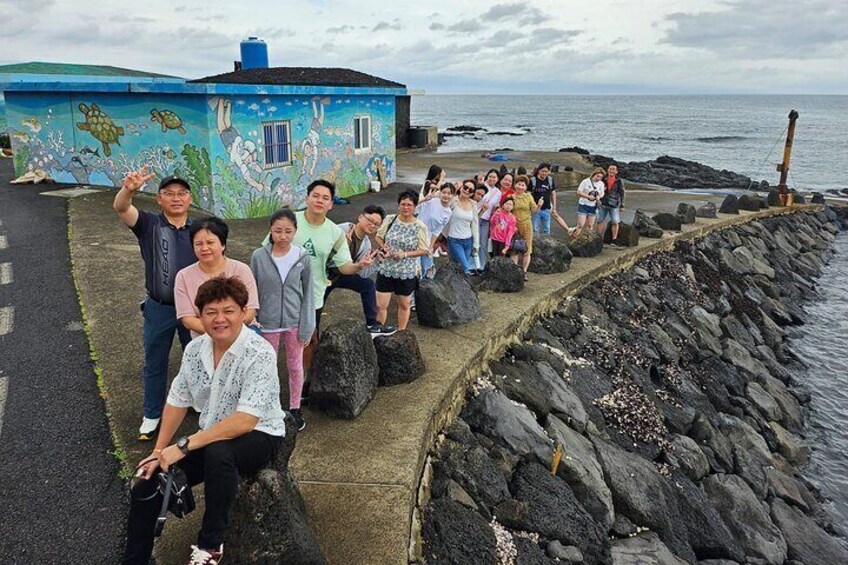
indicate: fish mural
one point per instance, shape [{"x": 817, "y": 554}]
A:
[{"x": 239, "y": 163}]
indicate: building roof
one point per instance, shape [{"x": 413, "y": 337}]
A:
[
  {"x": 301, "y": 76},
  {"x": 44, "y": 68}
]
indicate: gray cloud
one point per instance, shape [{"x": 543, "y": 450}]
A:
[
  {"x": 503, "y": 38},
  {"x": 522, "y": 13},
  {"x": 436, "y": 26},
  {"x": 395, "y": 24},
  {"x": 467, "y": 26},
  {"x": 758, "y": 29},
  {"x": 340, "y": 29}
]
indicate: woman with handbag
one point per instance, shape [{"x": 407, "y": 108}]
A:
[{"x": 525, "y": 206}]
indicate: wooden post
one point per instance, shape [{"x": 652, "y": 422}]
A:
[{"x": 783, "y": 168}]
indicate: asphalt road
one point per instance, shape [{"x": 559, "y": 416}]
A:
[{"x": 61, "y": 500}]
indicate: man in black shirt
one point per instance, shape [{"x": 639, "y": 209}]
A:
[
  {"x": 542, "y": 186},
  {"x": 165, "y": 248}
]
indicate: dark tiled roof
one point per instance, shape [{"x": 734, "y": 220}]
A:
[
  {"x": 42, "y": 68},
  {"x": 302, "y": 76}
]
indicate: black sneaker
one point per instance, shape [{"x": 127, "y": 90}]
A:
[
  {"x": 380, "y": 329},
  {"x": 299, "y": 422}
]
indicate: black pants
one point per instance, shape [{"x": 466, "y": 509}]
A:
[
  {"x": 367, "y": 294},
  {"x": 218, "y": 466}
]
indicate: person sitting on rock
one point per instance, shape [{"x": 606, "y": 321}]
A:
[
  {"x": 359, "y": 236},
  {"x": 590, "y": 190},
  {"x": 503, "y": 228},
  {"x": 287, "y": 312},
  {"x": 229, "y": 375},
  {"x": 611, "y": 204}
]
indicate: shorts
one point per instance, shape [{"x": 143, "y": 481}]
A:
[
  {"x": 400, "y": 287},
  {"x": 609, "y": 213},
  {"x": 583, "y": 209}
]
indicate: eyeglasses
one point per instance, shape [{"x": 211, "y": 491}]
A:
[
  {"x": 172, "y": 195},
  {"x": 371, "y": 222}
]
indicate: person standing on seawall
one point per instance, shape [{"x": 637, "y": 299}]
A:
[
  {"x": 612, "y": 203},
  {"x": 590, "y": 191},
  {"x": 524, "y": 208},
  {"x": 165, "y": 249},
  {"x": 462, "y": 230},
  {"x": 543, "y": 188},
  {"x": 486, "y": 206}
]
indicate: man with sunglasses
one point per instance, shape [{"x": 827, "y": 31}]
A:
[
  {"x": 358, "y": 241},
  {"x": 165, "y": 249}
]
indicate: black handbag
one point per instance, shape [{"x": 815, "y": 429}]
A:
[
  {"x": 177, "y": 497},
  {"x": 518, "y": 245}
]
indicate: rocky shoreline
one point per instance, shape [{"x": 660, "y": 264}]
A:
[{"x": 667, "y": 388}]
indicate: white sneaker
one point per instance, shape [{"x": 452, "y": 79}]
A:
[
  {"x": 205, "y": 556},
  {"x": 148, "y": 428}
]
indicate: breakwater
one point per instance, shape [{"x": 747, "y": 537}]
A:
[{"x": 668, "y": 389}]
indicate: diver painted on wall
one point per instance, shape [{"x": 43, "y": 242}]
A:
[
  {"x": 243, "y": 154},
  {"x": 310, "y": 148}
]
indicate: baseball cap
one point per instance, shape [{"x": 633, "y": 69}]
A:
[{"x": 174, "y": 180}]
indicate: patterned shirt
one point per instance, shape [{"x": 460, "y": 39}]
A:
[
  {"x": 402, "y": 236},
  {"x": 245, "y": 380}
]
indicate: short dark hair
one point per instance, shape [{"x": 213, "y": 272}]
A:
[
  {"x": 374, "y": 209},
  {"x": 408, "y": 195},
  {"x": 543, "y": 166},
  {"x": 221, "y": 288},
  {"x": 321, "y": 182},
  {"x": 490, "y": 171},
  {"x": 448, "y": 185},
  {"x": 283, "y": 214},
  {"x": 213, "y": 225}
]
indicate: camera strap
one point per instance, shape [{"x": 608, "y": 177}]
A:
[{"x": 166, "y": 498}]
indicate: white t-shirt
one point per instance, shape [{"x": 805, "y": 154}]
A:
[
  {"x": 284, "y": 265},
  {"x": 492, "y": 199},
  {"x": 245, "y": 380},
  {"x": 587, "y": 186}
]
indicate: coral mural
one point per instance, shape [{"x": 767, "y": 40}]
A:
[{"x": 245, "y": 156}]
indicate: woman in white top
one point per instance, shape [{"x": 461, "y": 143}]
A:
[
  {"x": 430, "y": 188},
  {"x": 435, "y": 213},
  {"x": 463, "y": 229},
  {"x": 487, "y": 205},
  {"x": 590, "y": 191}
]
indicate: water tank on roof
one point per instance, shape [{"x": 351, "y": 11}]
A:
[{"x": 254, "y": 54}]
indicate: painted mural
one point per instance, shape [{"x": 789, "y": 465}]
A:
[{"x": 216, "y": 143}]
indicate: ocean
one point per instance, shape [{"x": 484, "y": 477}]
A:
[
  {"x": 744, "y": 134},
  {"x": 822, "y": 343}
]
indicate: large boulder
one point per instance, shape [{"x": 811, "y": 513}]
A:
[
  {"x": 744, "y": 515},
  {"x": 806, "y": 541},
  {"x": 817, "y": 198},
  {"x": 508, "y": 424},
  {"x": 447, "y": 299},
  {"x": 398, "y": 358},
  {"x": 475, "y": 472},
  {"x": 730, "y": 205},
  {"x": 453, "y": 533},
  {"x": 708, "y": 210},
  {"x": 587, "y": 244},
  {"x": 686, "y": 213},
  {"x": 687, "y": 456},
  {"x": 645, "y": 548},
  {"x": 750, "y": 452},
  {"x": 546, "y": 505},
  {"x": 707, "y": 533},
  {"x": 582, "y": 472},
  {"x": 345, "y": 371},
  {"x": 550, "y": 255},
  {"x": 644, "y": 496},
  {"x": 502, "y": 275},
  {"x": 646, "y": 226},
  {"x": 628, "y": 235},
  {"x": 668, "y": 221},
  {"x": 773, "y": 197},
  {"x": 268, "y": 520},
  {"x": 750, "y": 202}
]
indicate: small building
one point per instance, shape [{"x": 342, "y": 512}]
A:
[{"x": 249, "y": 141}]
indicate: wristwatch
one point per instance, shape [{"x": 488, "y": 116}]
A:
[{"x": 182, "y": 445}]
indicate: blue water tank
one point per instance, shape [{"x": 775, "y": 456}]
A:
[{"x": 254, "y": 54}]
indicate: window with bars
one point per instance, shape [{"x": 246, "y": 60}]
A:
[
  {"x": 362, "y": 133},
  {"x": 277, "y": 137}
]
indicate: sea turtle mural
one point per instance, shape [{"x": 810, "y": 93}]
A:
[
  {"x": 100, "y": 126},
  {"x": 167, "y": 119}
]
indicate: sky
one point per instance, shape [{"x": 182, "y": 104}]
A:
[{"x": 448, "y": 46}]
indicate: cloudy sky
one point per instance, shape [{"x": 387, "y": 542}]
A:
[{"x": 448, "y": 46}]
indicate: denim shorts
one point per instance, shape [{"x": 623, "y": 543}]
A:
[
  {"x": 586, "y": 210},
  {"x": 608, "y": 213}
]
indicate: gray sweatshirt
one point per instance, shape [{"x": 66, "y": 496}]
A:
[{"x": 284, "y": 305}]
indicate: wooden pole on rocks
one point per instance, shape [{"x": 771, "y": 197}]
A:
[{"x": 783, "y": 168}]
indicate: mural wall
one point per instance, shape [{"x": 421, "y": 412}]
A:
[{"x": 217, "y": 143}]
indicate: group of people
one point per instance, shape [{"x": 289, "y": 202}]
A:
[
  {"x": 497, "y": 214},
  {"x": 232, "y": 318}
]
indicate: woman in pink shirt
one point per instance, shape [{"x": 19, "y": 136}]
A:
[
  {"x": 502, "y": 228},
  {"x": 209, "y": 239}
]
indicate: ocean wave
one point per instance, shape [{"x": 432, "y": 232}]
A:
[{"x": 720, "y": 138}]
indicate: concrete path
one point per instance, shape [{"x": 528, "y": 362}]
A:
[{"x": 61, "y": 500}]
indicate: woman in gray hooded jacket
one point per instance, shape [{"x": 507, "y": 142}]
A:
[{"x": 286, "y": 301}]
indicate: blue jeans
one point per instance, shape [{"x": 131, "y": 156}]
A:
[
  {"x": 461, "y": 251},
  {"x": 426, "y": 264},
  {"x": 542, "y": 222},
  {"x": 367, "y": 294},
  {"x": 160, "y": 322},
  {"x": 483, "y": 254}
]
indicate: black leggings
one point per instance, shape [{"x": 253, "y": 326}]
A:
[{"x": 219, "y": 466}]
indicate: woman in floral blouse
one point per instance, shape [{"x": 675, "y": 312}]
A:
[{"x": 402, "y": 239}]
